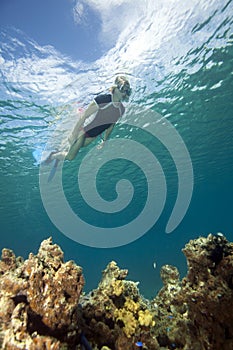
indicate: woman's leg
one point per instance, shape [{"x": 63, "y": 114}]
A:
[
  {"x": 88, "y": 140},
  {"x": 82, "y": 141},
  {"x": 71, "y": 154},
  {"x": 79, "y": 143}
]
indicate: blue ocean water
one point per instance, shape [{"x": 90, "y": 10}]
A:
[{"x": 182, "y": 71}]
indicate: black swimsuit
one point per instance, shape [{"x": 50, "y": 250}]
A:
[{"x": 107, "y": 115}]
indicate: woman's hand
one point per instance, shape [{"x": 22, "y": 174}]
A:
[{"x": 101, "y": 144}]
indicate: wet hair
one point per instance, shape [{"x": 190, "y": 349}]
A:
[{"x": 121, "y": 80}]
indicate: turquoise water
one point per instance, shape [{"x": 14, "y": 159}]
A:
[{"x": 186, "y": 77}]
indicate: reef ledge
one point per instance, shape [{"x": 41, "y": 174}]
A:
[{"x": 42, "y": 304}]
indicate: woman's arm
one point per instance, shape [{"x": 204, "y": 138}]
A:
[
  {"x": 106, "y": 136},
  {"x": 108, "y": 132}
]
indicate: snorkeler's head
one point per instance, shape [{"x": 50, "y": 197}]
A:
[{"x": 123, "y": 85}]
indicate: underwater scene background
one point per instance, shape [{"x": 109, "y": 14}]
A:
[{"x": 178, "y": 58}]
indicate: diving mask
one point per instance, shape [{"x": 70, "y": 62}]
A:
[{"x": 124, "y": 88}]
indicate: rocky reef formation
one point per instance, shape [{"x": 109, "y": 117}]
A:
[
  {"x": 38, "y": 299},
  {"x": 42, "y": 305},
  {"x": 197, "y": 312},
  {"x": 120, "y": 316}
]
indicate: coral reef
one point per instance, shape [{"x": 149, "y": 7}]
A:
[
  {"x": 196, "y": 312},
  {"x": 42, "y": 305},
  {"x": 120, "y": 315},
  {"x": 38, "y": 299}
]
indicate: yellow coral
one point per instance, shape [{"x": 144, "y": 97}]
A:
[
  {"x": 145, "y": 318},
  {"x": 131, "y": 305},
  {"x": 118, "y": 287},
  {"x": 130, "y": 323}
]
